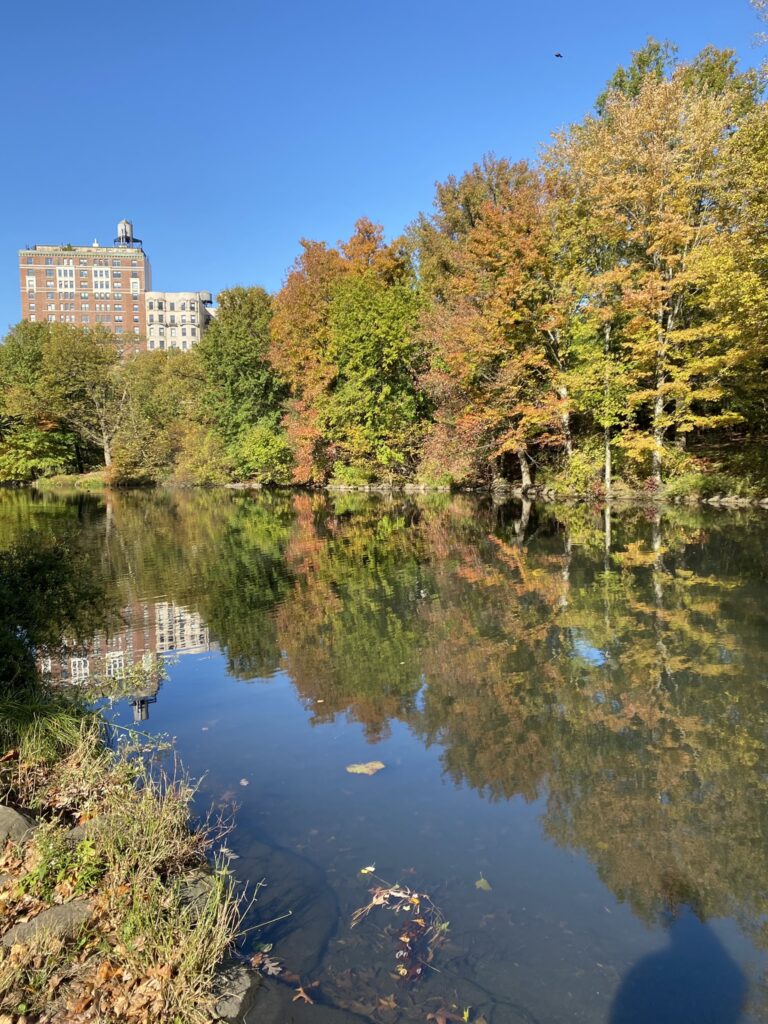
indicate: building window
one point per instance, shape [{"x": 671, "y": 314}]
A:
[
  {"x": 161, "y": 331},
  {"x": 172, "y": 305},
  {"x": 173, "y": 319},
  {"x": 49, "y": 261},
  {"x": 151, "y": 304},
  {"x": 192, "y": 331},
  {"x": 118, "y": 330},
  {"x": 183, "y": 332},
  {"x": 160, "y": 304},
  {"x": 118, "y": 319},
  {"x": 134, "y": 273},
  {"x": 32, "y": 305},
  {"x": 79, "y": 668},
  {"x": 134, "y": 263},
  {"x": 51, "y": 318},
  {"x": 32, "y": 316},
  {"x": 86, "y": 319},
  {"x": 173, "y": 332},
  {"x": 135, "y": 319},
  {"x": 151, "y": 318},
  {"x": 135, "y": 309},
  {"x": 135, "y": 330},
  {"x": 49, "y": 273},
  {"x": 117, "y": 307},
  {"x": 29, "y": 259}
]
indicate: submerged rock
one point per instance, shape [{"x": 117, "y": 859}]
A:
[{"x": 235, "y": 991}]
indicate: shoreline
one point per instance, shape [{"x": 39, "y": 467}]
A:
[{"x": 90, "y": 484}]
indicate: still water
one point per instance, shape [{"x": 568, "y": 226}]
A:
[{"x": 569, "y": 708}]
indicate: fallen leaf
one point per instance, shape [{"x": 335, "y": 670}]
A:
[
  {"x": 369, "y": 768},
  {"x": 301, "y": 994},
  {"x": 483, "y": 884},
  {"x": 368, "y": 870},
  {"x": 388, "y": 1003},
  {"x": 244, "y": 782}
]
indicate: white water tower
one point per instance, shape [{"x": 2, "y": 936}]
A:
[{"x": 125, "y": 236}]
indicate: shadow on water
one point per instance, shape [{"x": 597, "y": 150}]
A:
[{"x": 692, "y": 981}]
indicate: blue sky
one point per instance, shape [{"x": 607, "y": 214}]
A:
[{"x": 226, "y": 131}]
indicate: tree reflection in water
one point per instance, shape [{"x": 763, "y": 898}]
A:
[{"x": 613, "y": 665}]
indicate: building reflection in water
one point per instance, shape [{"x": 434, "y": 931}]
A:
[{"x": 127, "y": 662}]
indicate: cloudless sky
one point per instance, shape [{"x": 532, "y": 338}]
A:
[{"x": 228, "y": 130}]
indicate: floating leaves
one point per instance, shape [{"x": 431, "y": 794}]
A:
[
  {"x": 369, "y": 768},
  {"x": 244, "y": 782},
  {"x": 368, "y": 870},
  {"x": 418, "y": 936},
  {"x": 483, "y": 884}
]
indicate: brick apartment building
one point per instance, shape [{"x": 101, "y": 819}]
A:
[
  {"x": 111, "y": 286},
  {"x": 88, "y": 284}
]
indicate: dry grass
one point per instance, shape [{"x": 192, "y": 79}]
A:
[{"x": 150, "y": 954}]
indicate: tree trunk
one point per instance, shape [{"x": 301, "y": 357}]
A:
[
  {"x": 78, "y": 458},
  {"x": 608, "y": 472},
  {"x": 565, "y": 418},
  {"x": 525, "y": 470},
  {"x": 107, "y": 451},
  {"x": 658, "y": 436}
]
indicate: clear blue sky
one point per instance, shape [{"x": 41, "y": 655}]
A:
[{"x": 226, "y": 131}]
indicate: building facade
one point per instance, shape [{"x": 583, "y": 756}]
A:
[
  {"x": 176, "y": 319},
  {"x": 88, "y": 285}
]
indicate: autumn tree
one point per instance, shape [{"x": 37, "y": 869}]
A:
[
  {"x": 343, "y": 338},
  {"x": 493, "y": 373},
  {"x": 647, "y": 172}
]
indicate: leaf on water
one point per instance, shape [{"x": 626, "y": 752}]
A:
[
  {"x": 368, "y": 870},
  {"x": 244, "y": 782},
  {"x": 484, "y": 884},
  {"x": 369, "y": 768}
]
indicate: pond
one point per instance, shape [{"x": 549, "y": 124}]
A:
[{"x": 571, "y": 708}]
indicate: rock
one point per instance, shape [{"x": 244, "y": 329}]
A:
[
  {"x": 63, "y": 921},
  {"x": 14, "y": 826},
  {"x": 195, "y": 890},
  {"x": 235, "y": 991},
  {"x": 80, "y": 832},
  {"x": 275, "y": 1005},
  {"x": 293, "y": 884}
]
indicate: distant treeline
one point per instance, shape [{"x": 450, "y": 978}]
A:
[{"x": 597, "y": 319}]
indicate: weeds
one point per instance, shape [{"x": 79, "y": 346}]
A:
[{"x": 151, "y": 953}]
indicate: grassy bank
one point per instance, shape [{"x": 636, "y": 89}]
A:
[
  {"x": 93, "y": 481},
  {"x": 116, "y": 838}
]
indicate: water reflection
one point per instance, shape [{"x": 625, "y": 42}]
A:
[{"x": 609, "y": 670}]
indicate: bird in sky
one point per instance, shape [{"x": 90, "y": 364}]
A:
[{"x": 559, "y": 55}]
